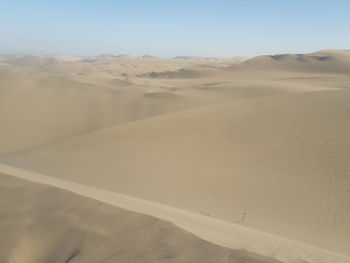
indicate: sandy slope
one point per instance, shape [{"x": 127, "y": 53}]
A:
[
  {"x": 43, "y": 224},
  {"x": 44, "y": 102},
  {"x": 39, "y": 108},
  {"x": 264, "y": 143},
  {"x": 263, "y": 163},
  {"x": 210, "y": 229}
]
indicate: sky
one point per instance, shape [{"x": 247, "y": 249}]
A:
[{"x": 211, "y": 28}]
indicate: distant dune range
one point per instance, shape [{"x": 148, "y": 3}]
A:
[
  {"x": 261, "y": 142},
  {"x": 323, "y": 61}
]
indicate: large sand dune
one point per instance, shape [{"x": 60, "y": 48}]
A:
[
  {"x": 57, "y": 226},
  {"x": 264, "y": 143}
]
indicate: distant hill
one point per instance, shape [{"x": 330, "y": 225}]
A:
[
  {"x": 22, "y": 60},
  {"x": 321, "y": 61}
]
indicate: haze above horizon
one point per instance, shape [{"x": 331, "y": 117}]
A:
[{"x": 166, "y": 29}]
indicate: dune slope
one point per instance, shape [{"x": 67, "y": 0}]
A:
[
  {"x": 263, "y": 144},
  {"x": 262, "y": 163},
  {"x": 58, "y": 226}
]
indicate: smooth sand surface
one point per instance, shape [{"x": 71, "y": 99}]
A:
[
  {"x": 41, "y": 224},
  {"x": 262, "y": 246},
  {"x": 262, "y": 143}
]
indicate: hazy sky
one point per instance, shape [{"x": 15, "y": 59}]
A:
[{"x": 178, "y": 27}]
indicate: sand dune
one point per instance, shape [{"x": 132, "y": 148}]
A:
[
  {"x": 59, "y": 226},
  {"x": 264, "y": 143},
  {"x": 182, "y": 73},
  {"x": 336, "y": 61},
  {"x": 263, "y": 163},
  {"x": 37, "y": 109},
  {"x": 42, "y": 107},
  {"x": 36, "y": 61},
  {"x": 263, "y": 247}
]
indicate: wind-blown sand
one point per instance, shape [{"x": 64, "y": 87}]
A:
[{"x": 262, "y": 143}]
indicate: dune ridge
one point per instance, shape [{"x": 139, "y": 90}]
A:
[
  {"x": 210, "y": 229},
  {"x": 336, "y": 61},
  {"x": 58, "y": 226}
]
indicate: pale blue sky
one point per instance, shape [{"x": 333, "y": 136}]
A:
[{"x": 168, "y": 28}]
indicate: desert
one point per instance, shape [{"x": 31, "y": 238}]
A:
[{"x": 123, "y": 158}]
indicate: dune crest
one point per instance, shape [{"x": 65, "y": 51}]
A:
[{"x": 241, "y": 240}]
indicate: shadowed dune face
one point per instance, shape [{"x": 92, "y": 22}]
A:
[
  {"x": 263, "y": 143},
  {"x": 183, "y": 74},
  {"x": 51, "y": 225}
]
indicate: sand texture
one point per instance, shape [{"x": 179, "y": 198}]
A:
[
  {"x": 262, "y": 143},
  {"x": 44, "y": 224}
]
